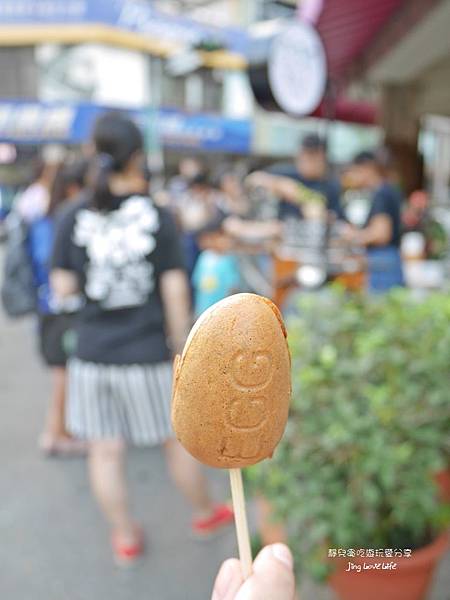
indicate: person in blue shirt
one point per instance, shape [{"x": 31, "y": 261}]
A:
[
  {"x": 54, "y": 323},
  {"x": 216, "y": 273},
  {"x": 381, "y": 231}
]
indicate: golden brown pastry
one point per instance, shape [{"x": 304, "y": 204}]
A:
[{"x": 232, "y": 383}]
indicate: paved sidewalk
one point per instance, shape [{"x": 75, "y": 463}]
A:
[{"x": 53, "y": 543}]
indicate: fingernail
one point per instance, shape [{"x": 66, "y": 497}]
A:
[
  {"x": 223, "y": 581},
  {"x": 283, "y": 554}
]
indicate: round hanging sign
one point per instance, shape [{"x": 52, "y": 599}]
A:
[{"x": 291, "y": 73}]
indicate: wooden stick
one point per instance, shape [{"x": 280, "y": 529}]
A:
[{"x": 240, "y": 517}]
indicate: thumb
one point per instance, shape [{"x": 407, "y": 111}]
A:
[
  {"x": 278, "y": 552},
  {"x": 273, "y": 576}
]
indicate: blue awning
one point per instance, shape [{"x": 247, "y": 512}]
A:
[{"x": 33, "y": 122}]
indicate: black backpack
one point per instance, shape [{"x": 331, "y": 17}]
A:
[{"x": 18, "y": 292}]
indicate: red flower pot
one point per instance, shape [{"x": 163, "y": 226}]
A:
[
  {"x": 442, "y": 479},
  {"x": 408, "y": 581}
]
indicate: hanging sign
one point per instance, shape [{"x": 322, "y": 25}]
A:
[{"x": 288, "y": 70}]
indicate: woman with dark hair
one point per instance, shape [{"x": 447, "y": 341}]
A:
[
  {"x": 55, "y": 321},
  {"x": 380, "y": 234},
  {"x": 122, "y": 253}
]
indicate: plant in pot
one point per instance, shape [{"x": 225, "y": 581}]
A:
[{"x": 352, "y": 479}]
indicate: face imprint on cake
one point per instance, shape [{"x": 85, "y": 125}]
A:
[
  {"x": 247, "y": 414},
  {"x": 251, "y": 370}
]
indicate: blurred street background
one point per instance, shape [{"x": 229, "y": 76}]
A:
[{"x": 292, "y": 145}]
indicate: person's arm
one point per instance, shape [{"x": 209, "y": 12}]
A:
[
  {"x": 379, "y": 228},
  {"x": 63, "y": 278},
  {"x": 377, "y": 233},
  {"x": 63, "y": 283},
  {"x": 291, "y": 191},
  {"x": 173, "y": 284},
  {"x": 174, "y": 290},
  {"x": 278, "y": 185},
  {"x": 252, "y": 230}
]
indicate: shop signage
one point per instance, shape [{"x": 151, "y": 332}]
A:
[
  {"x": 32, "y": 122},
  {"x": 288, "y": 69},
  {"x": 204, "y": 132},
  {"x": 36, "y": 122},
  {"x": 138, "y": 16},
  {"x": 297, "y": 69}
]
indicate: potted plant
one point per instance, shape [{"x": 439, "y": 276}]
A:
[{"x": 368, "y": 430}]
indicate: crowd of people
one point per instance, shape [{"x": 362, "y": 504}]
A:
[{"x": 120, "y": 269}]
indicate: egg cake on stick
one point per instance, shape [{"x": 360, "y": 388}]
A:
[{"x": 231, "y": 392}]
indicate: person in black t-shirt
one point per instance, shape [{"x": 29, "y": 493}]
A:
[
  {"x": 381, "y": 231},
  {"x": 122, "y": 253},
  {"x": 305, "y": 186}
]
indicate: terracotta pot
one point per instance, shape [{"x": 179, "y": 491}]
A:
[
  {"x": 442, "y": 479},
  {"x": 270, "y": 532},
  {"x": 409, "y": 581}
]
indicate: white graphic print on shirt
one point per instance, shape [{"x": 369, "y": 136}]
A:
[{"x": 117, "y": 243}]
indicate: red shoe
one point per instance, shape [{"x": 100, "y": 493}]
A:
[
  {"x": 221, "y": 517},
  {"x": 126, "y": 555}
]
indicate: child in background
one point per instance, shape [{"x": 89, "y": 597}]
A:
[
  {"x": 216, "y": 273},
  {"x": 197, "y": 210}
]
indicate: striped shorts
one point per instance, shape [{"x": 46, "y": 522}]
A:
[{"x": 130, "y": 402}]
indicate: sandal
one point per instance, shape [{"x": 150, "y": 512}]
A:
[
  {"x": 221, "y": 518},
  {"x": 128, "y": 554}
]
